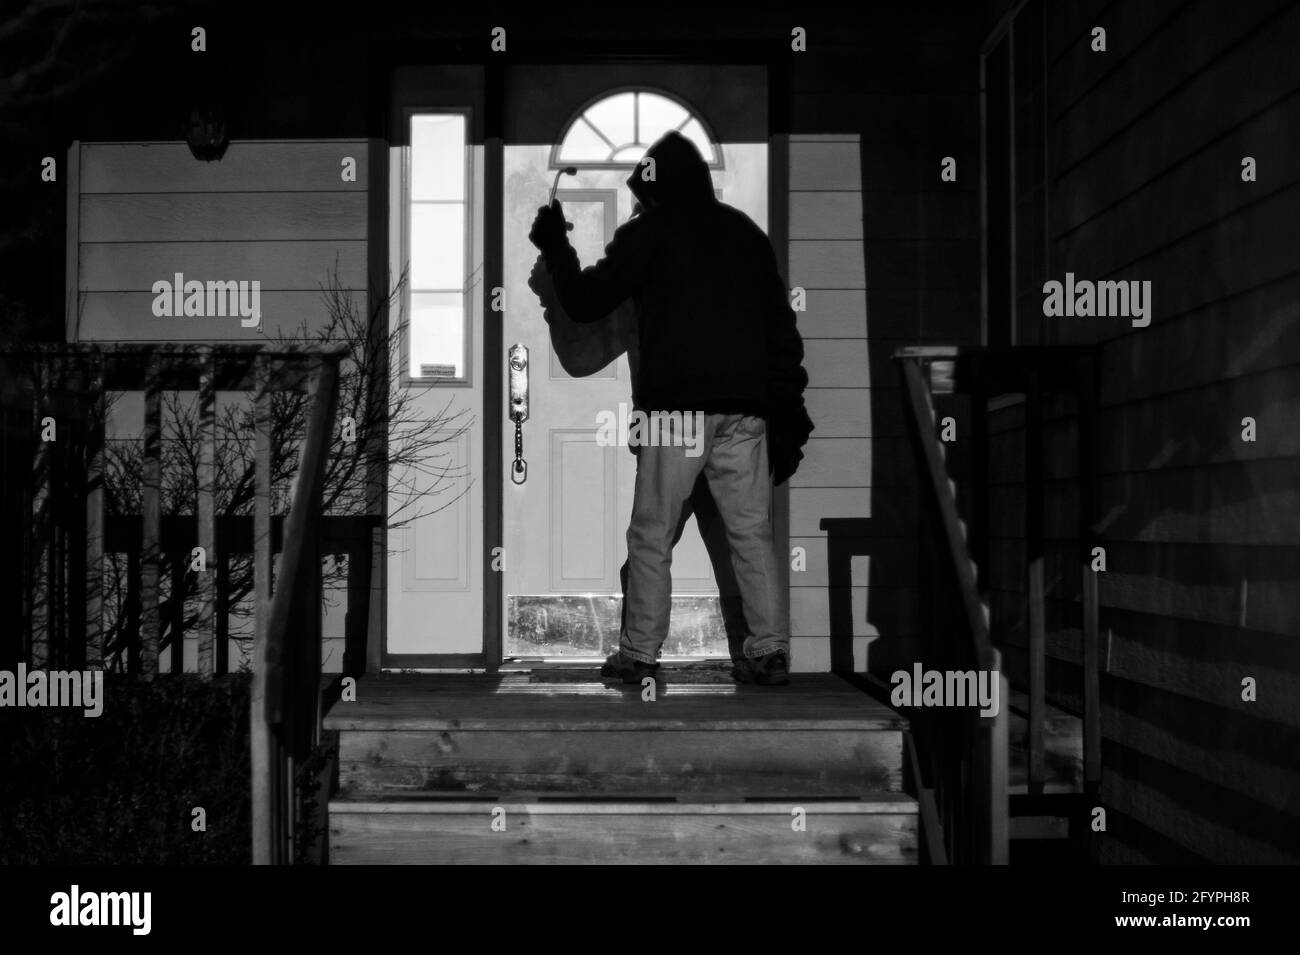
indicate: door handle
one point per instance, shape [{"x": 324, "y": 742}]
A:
[{"x": 517, "y": 358}]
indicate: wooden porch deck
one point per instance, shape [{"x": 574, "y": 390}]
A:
[{"x": 529, "y": 701}]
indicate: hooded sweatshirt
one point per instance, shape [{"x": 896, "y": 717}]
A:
[{"x": 715, "y": 330}]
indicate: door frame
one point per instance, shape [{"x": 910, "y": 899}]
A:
[{"x": 774, "y": 60}]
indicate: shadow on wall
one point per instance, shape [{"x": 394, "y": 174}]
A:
[{"x": 919, "y": 282}]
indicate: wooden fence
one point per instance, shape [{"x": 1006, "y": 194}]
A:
[{"x": 57, "y": 534}]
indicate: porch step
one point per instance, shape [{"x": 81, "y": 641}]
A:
[
  {"x": 1062, "y": 748},
  {"x": 589, "y": 772},
  {"x": 517, "y": 736},
  {"x": 631, "y": 831},
  {"x": 1048, "y": 827},
  {"x": 645, "y": 759}
]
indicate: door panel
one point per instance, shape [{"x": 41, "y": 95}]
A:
[{"x": 434, "y": 570}]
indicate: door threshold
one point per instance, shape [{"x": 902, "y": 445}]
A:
[{"x": 557, "y": 663}]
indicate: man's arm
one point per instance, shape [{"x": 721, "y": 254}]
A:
[
  {"x": 584, "y": 349},
  {"x": 589, "y": 294}
]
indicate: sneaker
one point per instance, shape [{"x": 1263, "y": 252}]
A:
[
  {"x": 772, "y": 669},
  {"x": 628, "y": 670}
]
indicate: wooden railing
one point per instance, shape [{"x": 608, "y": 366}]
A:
[
  {"x": 965, "y": 757},
  {"x": 964, "y": 770},
  {"x": 286, "y": 703},
  {"x": 53, "y": 517}
]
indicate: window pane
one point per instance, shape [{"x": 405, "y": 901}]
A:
[
  {"x": 583, "y": 145},
  {"x": 695, "y": 133},
  {"x": 438, "y": 157},
  {"x": 658, "y": 115},
  {"x": 613, "y": 117},
  {"x": 620, "y": 127},
  {"x": 588, "y": 236},
  {"x": 437, "y": 246},
  {"x": 437, "y": 335},
  {"x": 631, "y": 154}
]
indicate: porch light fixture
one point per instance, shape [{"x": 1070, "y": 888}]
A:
[{"x": 205, "y": 134}]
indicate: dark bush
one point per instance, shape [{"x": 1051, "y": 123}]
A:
[{"x": 121, "y": 788}]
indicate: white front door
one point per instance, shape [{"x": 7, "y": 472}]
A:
[{"x": 565, "y": 523}]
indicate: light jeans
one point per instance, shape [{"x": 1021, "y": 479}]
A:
[
  {"x": 714, "y": 536},
  {"x": 731, "y": 452}
]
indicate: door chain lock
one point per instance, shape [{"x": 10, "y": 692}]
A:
[
  {"x": 519, "y": 471},
  {"x": 518, "y": 358}
]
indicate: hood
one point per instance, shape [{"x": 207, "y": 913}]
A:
[{"x": 680, "y": 173}]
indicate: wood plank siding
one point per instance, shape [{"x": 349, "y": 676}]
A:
[
  {"x": 888, "y": 254},
  {"x": 278, "y": 213},
  {"x": 1201, "y": 529}
]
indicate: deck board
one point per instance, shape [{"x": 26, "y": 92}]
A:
[
  {"x": 512, "y": 701},
  {"x": 874, "y": 830}
]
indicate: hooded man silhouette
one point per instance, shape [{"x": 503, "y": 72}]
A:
[{"x": 717, "y": 341}]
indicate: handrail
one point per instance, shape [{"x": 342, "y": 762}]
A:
[
  {"x": 978, "y": 772},
  {"x": 976, "y": 611},
  {"x": 284, "y": 717},
  {"x": 927, "y": 806},
  {"x": 968, "y": 793}
]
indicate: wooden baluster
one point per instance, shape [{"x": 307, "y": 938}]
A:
[
  {"x": 221, "y": 610},
  {"x": 290, "y": 812},
  {"x": 979, "y": 463},
  {"x": 31, "y": 529},
  {"x": 180, "y": 562},
  {"x": 75, "y": 418},
  {"x": 999, "y": 770},
  {"x": 151, "y": 519},
  {"x": 266, "y": 757},
  {"x": 1034, "y": 548},
  {"x": 96, "y": 426},
  {"x": 133, "y": 628},
  {"x": 354, "y": 626},
  {"x": 1091, "y": 647},
  {"x": 262, "y": 562},
  {"x": 11, "y": 500},
  {"x": 44, "y": 641},
  {"x": 206, "y": 511}
]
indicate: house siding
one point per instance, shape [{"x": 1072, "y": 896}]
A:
[
  {"x": 276, "y": 212},
  {"x": 1145, "y": 144},
  {"x": 888, "y": 255}
]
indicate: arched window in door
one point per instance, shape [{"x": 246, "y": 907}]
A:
[{"x": 618, "y": 128}]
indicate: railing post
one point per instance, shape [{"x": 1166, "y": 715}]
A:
[
  {"x": 286, "y": 687},
  {"x": 264, "y": 746}
]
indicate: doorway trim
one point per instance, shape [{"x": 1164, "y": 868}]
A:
[{"x": 494, "y": 118}]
